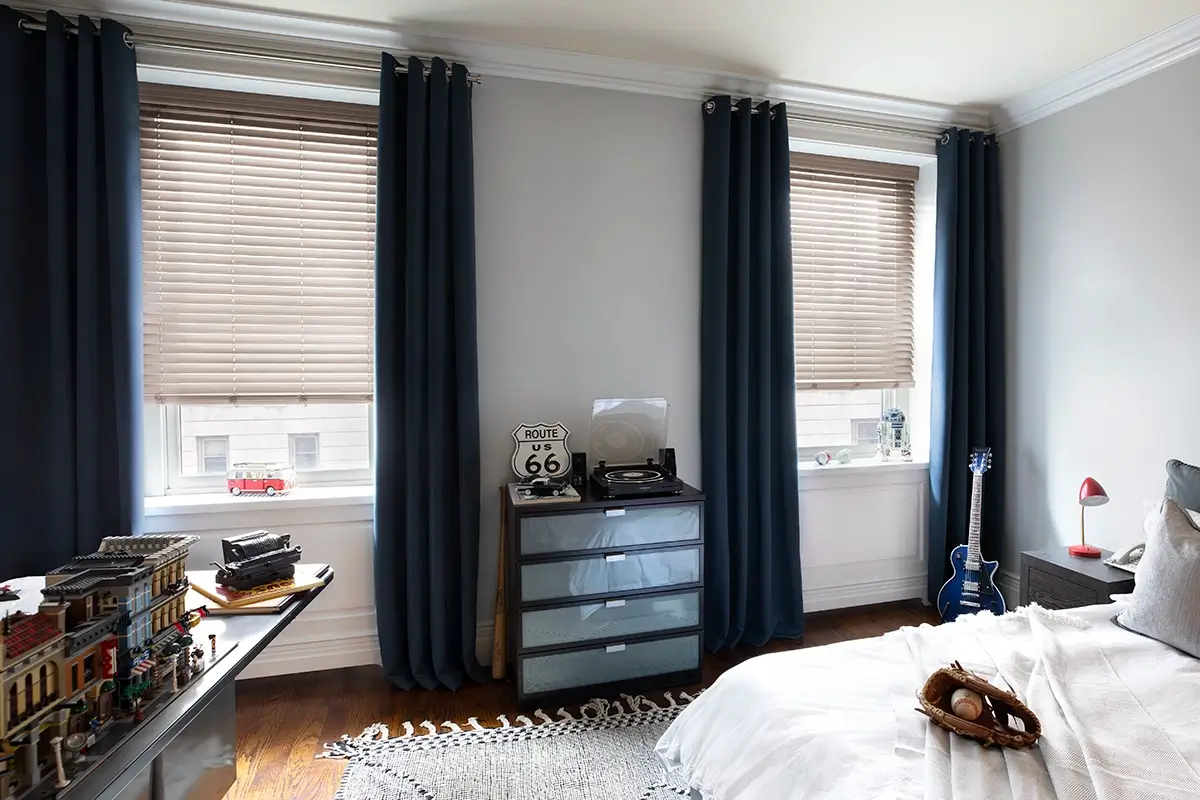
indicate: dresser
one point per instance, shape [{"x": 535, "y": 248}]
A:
[{"x": 604, "y": 596}]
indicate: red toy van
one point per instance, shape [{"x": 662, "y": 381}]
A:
[{"x": 270, "y": 479}]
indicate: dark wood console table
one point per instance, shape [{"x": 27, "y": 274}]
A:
[{"x": 187, "y": 750}]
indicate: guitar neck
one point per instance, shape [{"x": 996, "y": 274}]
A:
[{"x": 973, "y": 554}]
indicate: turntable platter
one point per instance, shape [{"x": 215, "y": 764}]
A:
[{"x": 634, "y": 475}]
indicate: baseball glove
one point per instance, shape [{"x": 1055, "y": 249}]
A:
[{"x": 1000, "y": 709}]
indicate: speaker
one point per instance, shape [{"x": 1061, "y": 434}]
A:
[
  {"x": 666, "y": 460},
  {"x": 578, "y": 469}
]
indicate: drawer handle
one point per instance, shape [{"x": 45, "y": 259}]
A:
[
  {"x": 614, "y": 512},
  {"x": 614, "y": 603},
  {"x": 611, "y": 557},
  {"x": 614, "y": 648}
]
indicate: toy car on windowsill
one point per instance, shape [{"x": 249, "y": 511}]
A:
[{"x": 542, "y": 487}]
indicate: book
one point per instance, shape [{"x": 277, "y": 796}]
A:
[
  {"x": 273, "y": 606},
  {"x": 569, "y": 495},
  {"x": 308, "y": 576}
]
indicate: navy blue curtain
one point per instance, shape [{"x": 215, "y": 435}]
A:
[
  {"x": 748, "y": 379},
  {"x": 967, "y": 401},
  {"x": 426, "y": 381},
  {"x": 70, "y": 302}
]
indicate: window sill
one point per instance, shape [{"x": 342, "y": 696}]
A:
[
  {"x": 221, "y": 502},
  {"x": 861, "y": 466}
]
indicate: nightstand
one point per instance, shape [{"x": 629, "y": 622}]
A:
[{"x": 1057, "y": 579}]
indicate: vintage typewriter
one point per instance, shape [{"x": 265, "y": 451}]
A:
[{"x": 253, "y": 559}]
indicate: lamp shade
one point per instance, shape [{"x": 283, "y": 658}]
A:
[{"x": 1091, "y": 493}]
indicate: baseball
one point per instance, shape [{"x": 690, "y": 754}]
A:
[{"x": 966, "y": 704}]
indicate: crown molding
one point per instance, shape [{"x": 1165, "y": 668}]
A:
[
  {"x": 172, "y": 17},
  {"x": 1167, "y": 47}
]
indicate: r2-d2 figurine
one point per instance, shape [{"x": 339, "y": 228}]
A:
[{"x": 893, "y": 436}]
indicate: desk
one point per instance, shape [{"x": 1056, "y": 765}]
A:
[{"x": 187, "y": 749}]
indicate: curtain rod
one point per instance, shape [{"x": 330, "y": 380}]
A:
[
  {"x": 711, "y": 105},
  {"x": 160, "y": 43}
]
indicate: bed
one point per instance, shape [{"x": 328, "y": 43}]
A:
[{"x": 1120, "y": 715}]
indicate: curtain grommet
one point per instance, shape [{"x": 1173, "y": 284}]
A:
[{"x": 710, "y": 106}]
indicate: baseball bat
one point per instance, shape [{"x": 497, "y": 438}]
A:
[{"x": 500, "y": 622}]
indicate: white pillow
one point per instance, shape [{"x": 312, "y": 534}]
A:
[{"x": 1165, "y": 604}]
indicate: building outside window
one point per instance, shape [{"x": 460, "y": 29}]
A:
[
  {"x": 306, "y": 451},
  {"x": 212, "y": 454}
]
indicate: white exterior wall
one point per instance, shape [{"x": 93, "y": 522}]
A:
[{"x": 344, "y": 433}]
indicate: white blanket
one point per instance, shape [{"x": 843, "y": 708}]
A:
[
  {"x": 1121, "y": 715},
  {"x": 1097, "y": 739}
]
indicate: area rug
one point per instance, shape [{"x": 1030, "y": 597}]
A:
[{"x": 605, "y": 751}]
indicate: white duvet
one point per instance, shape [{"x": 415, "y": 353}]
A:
[{"x": 1121, "y": 715}]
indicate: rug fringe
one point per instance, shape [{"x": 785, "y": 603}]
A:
[
  {"x": 597, "y": 708},
  {"x": 348, "y": 746}
]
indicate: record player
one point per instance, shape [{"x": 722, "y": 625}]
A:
[
  {"x": 627, "y": 436},
  {"x": 638, "y": 480}
]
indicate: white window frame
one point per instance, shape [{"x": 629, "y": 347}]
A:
[
  {"x": 162, "y": 432},
  {"x": 292, "y": 437}
]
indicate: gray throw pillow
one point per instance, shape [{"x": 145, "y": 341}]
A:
[
  {"x": 1165, "y": 604},
  {"x": 1183, "y": 484}
]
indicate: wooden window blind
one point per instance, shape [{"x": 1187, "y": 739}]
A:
[
  {"x": 258, "y": 229},
  {"x": 852, "y": 272}
]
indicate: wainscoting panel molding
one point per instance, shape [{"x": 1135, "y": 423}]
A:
[
  {"x": 1009, "y": 583},
  {"x": 862, "y": 537}
]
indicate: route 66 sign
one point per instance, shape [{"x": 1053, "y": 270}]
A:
[{"x": 541, "y": 450}]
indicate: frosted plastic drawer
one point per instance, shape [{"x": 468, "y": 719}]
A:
[
  {"x": 638, "y": 525},
  {"x": 612, "y": 619},
  {"x": 605, "y": 664},
  {"x": 605, "y": 574}
]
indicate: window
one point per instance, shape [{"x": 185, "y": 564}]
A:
[
  {"x": 212, "y": 455},
  {"x": 259, "y": 251},
  {"x": 852, "y": 278},
  {"x": 306, "y": 452}
]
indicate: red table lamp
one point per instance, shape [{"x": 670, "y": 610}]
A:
[{"x": 1091, "y": 493}]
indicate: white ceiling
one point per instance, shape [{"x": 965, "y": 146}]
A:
[{"x": 946, "y": 51}]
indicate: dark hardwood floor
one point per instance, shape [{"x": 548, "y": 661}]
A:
[{"x": 282, "y": 722}]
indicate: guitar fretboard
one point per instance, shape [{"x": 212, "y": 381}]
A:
[{"x": 973, "y": 555}]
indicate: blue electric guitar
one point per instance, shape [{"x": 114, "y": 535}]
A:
[{"x": 972, "y": 588}]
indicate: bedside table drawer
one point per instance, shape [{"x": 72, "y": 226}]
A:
[{"x": 1053, "y": 591}]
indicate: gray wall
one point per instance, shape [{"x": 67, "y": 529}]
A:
[
  {"x": 587, "y": 208},
  {"x": 1102, "y": 205}
]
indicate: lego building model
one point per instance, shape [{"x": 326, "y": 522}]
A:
[{"x": 110, "y": 629}]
